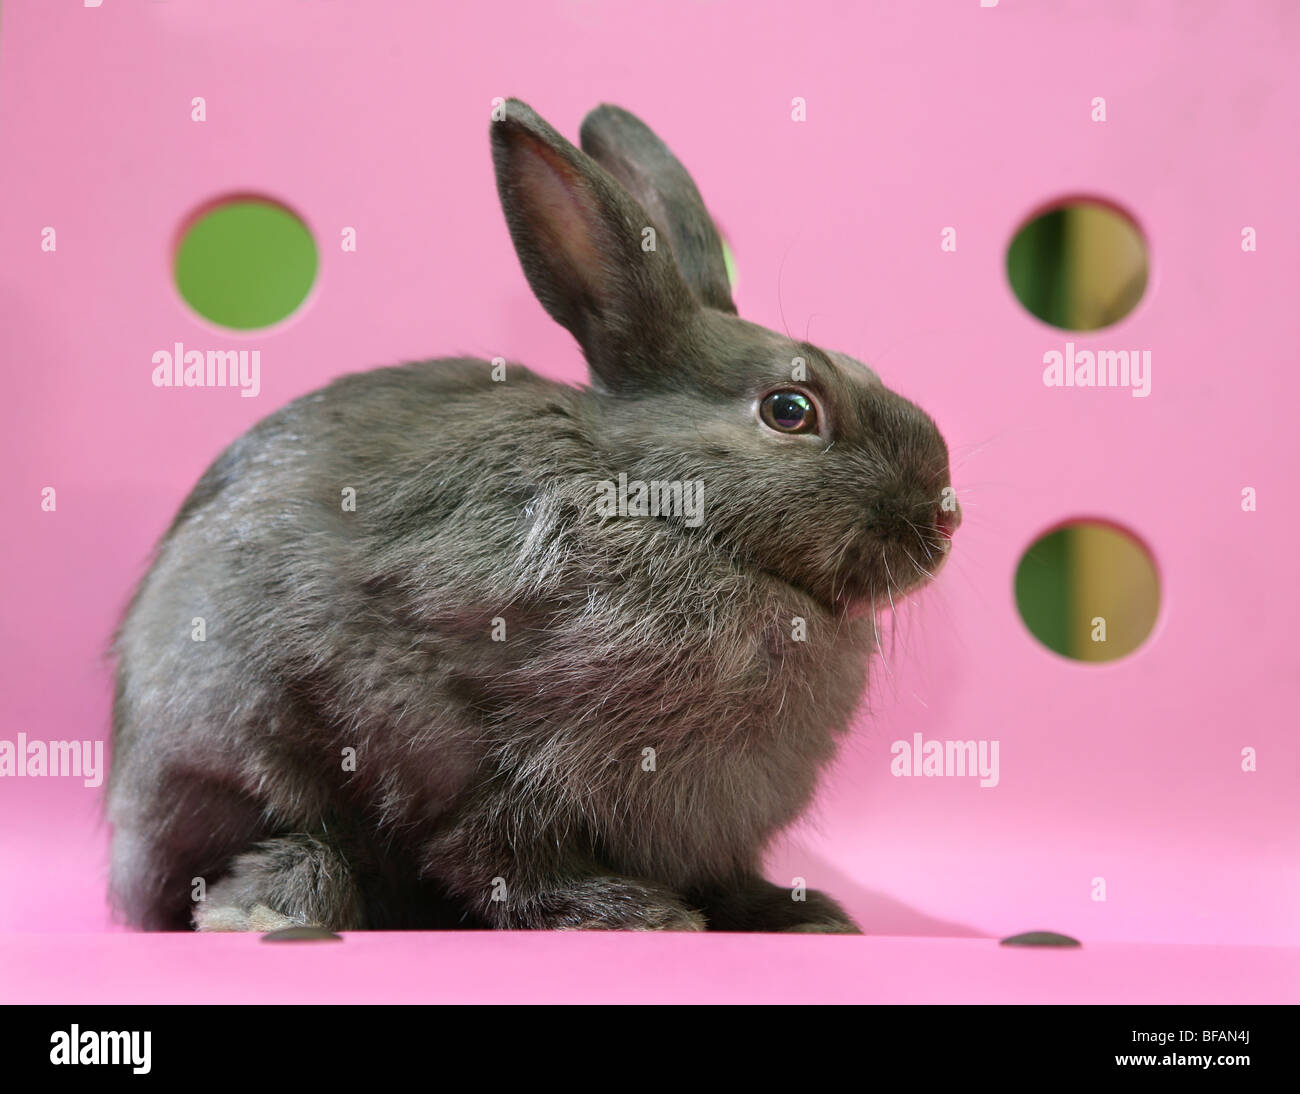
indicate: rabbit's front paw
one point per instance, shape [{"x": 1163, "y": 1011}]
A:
[
  {"x": 841, "y": 926},
  {"x": 755, "y": 904},
  {"x": 603, "y": 904}
]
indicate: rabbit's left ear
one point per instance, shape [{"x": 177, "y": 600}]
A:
[
  {"x": 583, "y": 242},
  {"x": 629, "y": 150}
]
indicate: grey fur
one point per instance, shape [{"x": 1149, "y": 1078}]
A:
[{"x": 507, "y": 783}]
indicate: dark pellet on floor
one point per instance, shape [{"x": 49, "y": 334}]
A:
[{"x": 1041, "y": 938}]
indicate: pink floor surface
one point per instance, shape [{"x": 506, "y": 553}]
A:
[{"x": 486, "y": 967}]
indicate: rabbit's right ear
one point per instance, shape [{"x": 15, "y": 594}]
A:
[
  {"x": 630, "y": 151},
  {"x": 588, "y": 251}
]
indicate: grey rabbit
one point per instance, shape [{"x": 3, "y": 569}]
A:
[{"x": 442, "y": 685}]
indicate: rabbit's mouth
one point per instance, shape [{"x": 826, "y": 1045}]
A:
[
  {"x": 877, "y": 571},
  {"x": 901, "y": 551},
  {"x": 887, "y": 574},
  {"x": 830, "y": 606},
  {"x": 880, "y": 581}
]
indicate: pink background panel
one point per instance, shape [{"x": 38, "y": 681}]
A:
[{"x": 919, "y": 117}]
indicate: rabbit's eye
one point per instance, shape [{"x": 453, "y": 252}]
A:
[{"x": 789, "y": 412}]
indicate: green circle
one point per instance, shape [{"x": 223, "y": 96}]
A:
[
  {"x": 1088, "y": 591},
  {"x": 729, "y": 258},
  {"x": 246, "y": 264},
  {"x": 1080, "y": 266}
]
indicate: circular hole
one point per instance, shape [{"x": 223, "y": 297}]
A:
[
  {"x": 245, "y": 263},
  {"x": 1088, "y": 590},
  {"x": 1081, "y": 265}
]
